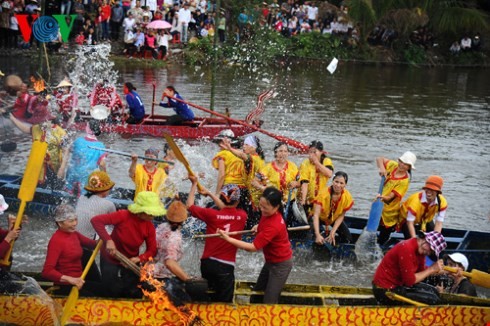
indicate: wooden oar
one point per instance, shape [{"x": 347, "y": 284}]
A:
[
  {"x": 74, "y": 293},
  {"x": 394, "y": 296},
  {"x": 215, "y": 235},
  {"x": 180, "y": 156},
  {"x": 130, "y": 155},
  {"x": 475, "y": 276},
  {"x": 133, "y": 267},
  {"x": 376, "y": 210},
  {"x": 28, "y": 186},
  {"x": 302, "y": 147}
]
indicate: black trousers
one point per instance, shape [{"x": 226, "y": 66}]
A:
[
  {"x": 118, "y": 281},
  {"x": 221, "y": 279}
]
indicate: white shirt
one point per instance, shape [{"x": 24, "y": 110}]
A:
[
  {"x": 312, "y": 12},
  {"x": 184, "y": 16},
  {"x": 162, "y": 40},
  {"x": 128, "y": 23}
]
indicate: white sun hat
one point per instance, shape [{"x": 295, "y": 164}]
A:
[
  {"x": 408, "y": 158},
  {"x": 460, "y": 259}
]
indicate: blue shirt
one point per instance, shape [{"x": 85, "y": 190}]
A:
[
  {"x": 180, "y": 108},
  {"x": 136, "y": 107}
]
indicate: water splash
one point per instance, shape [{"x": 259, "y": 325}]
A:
[
  {"x": 367, "y": 249},
  {"x": 32, "y": 288},
  {"x": 90, "y": 65}
]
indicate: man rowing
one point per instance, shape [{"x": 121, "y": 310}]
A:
[{"x": 403, "y": 269}]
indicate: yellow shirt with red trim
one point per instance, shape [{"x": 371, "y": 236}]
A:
[
  {"x": 331, "y": 210},
  {"x": 55, "y": 138},
  {"x": 316, "y": 180},
  {"x": 146, "y": 181},
  {"x": 234, "y": 168},
  {"x": 257, "y": 163},
  {"x": 397, "y": 186},
  {"x": 281, "y": 178},
  {"x": 421, "y": 210}
]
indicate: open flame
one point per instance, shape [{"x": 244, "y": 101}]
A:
[{"x": 161, "y": 298}]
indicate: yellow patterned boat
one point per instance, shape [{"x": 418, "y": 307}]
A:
[{"x": 34, "y": 310}]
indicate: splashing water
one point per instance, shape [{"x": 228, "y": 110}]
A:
[
  {"x": 367, "y": 249},
  {"x": 32, "y": 288},
  {"x": 161, "y": 298},
  {"x": 90, "y": 65}
]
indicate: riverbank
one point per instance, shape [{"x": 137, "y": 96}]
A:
[{"x": 273, "y": 50}]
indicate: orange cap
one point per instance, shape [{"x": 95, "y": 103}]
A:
[{"x": 434, "y": 182}]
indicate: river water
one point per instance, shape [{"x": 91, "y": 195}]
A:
[{"x": 359, "y": 113}]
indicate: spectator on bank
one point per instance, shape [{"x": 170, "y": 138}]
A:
[
  {"x": 129, "y": 39},
  {"x": 126, "y": 5},
  {"x": 91, "y": 37},
  {"x": 184, "y": 20},
  {"x": 31, "y": 7},
  {"x": 13, "y": 32},
  {"x": 137, "y": 12},
  {"x": 476, "y": 42},
  {"x": 455, "y": 48},
  {"x": 150, "y": 43},
  {"x": 466, "y": 43},
  {"x": 65, "y": 7},
  {"x": 162, "y": 42},
  {"x": 222, "y": 27},
  {"x": 129, "y": 23},
  {"x": 139, "y": 40},
  {"x": 117, "y": 16}
]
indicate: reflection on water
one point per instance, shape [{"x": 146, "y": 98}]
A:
[{"x": 358, "y": 113}]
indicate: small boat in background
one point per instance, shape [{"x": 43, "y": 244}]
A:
[{"x": 154, "y": 125}]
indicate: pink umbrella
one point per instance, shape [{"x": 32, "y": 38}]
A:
[{"x": 159, "y": 24}]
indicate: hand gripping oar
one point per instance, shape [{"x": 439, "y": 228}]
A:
[
  {"x": 180, "y": 156},
  {"x": 476, "y": 277},
  {"x": 28, "y": 186},
  {"x": 304, "y": 148},
  {"x": 215, "y": 235},
  {"x": 376, "y": 210},
  {"x": 130, "y": 155},
  {"x": 74, "y": 293}
]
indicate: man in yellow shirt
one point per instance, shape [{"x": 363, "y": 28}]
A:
[{"x": 147, "y": 176}]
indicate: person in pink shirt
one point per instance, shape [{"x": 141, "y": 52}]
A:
[
  {"x": 273, "y": 239},
  {"x": 219, "y": 257},
  {"x": 150, "y": 43},
  {"x": 63, "y": 263}
]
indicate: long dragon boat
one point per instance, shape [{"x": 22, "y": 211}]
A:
[
  {"x": 299, "y": 305},
  {"x": 474, "y": 244},
  {"x": 154, "y": 125}
]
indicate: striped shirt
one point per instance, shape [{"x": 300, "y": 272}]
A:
[{"x": 88, "y": 208}]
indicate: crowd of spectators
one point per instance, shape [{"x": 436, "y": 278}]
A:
[
  {"x": 126, "y": 21},
  {"x": 295, "y": 17},
  {"x": 466, "y": 44}
]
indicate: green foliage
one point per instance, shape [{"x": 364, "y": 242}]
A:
[{"x": 414, "y": 54}]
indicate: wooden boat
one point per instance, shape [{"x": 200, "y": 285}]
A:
[
  {"x": 46, "y": 200},
  {"x": 474, "y": 244},
  {"x": 301, "y": 305},
  {"x": 154, "y": 125}
]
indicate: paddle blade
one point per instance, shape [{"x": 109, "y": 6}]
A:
[
  {"x": 32, "y": 171},
  {"x": 180, "y": 156},
  {"x": 476, "y": 277},
  {"x": 374, "y": 216},
  {"x": 376, "y": 210},
  {"x": 69, "y": 305}
]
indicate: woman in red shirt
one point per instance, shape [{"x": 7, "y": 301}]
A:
[
  {"x": 272, "y": 237},
  {"x": 63, "y": 263},
  {"x": 105, "y": 16}
]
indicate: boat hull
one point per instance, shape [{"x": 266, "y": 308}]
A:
[
  {"x": 23, "y": 310},
  {"x": 155, "y": 126}
]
